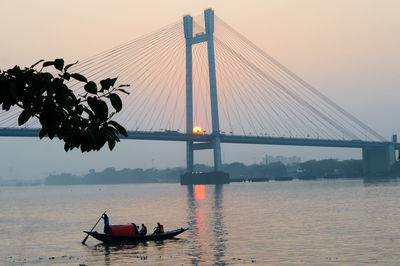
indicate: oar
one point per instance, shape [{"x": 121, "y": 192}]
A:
[{"x": 84, "y": 240}]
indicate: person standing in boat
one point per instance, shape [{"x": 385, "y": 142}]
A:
[
  {"x": 107, "y": 229},
  {"x": 159, "y": 229},
  {"x": 143, "y": 230}
]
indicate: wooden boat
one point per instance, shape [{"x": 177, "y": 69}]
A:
[{"x": 109, "y": 238}]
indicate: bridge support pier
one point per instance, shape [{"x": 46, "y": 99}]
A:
[
  {"x": 216, "y": 177},
  {"x": 377, "y": 161},
  {"x": 189, "y": 156}
]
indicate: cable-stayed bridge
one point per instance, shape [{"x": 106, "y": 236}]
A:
[{"x": 204, "y": 73}]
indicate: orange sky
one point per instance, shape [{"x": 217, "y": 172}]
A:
[{"x": 348, "y": 49}]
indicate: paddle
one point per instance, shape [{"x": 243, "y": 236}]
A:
[{"x": 84, "y": 240}]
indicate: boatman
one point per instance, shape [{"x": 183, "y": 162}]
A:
[
  {"x": 143, "y": 230},
  {"x": 107, "y": 229},
  {"x": 159, "y": 229}
]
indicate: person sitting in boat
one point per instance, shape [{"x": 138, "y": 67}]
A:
[
  {"x": 143, "y": 230},
  {"x": 159, "y": 229},
  {"x": 107, "y": 229}
]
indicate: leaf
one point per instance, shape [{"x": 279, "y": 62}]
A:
[
  {"x": 6, "y": 106},
  {"x": 120, "y": 128},
  {"x": 102, "y": 110},
  {"x": 99, "y": 108},
  {"x": 88, "y": 111},
  {"x": 32, "y": 66},
  {"x": 91, "y": 87},
  {"x": 111, "y": 144},
  {"x": 124, "y": 91},
  {"x": 79, "y": 77},
  {"x": 48, "y": 63},
  {"x": 69, "y": 65},
  {"x": 51, "y": 134},
  {"x": 42, "y": 133},
  {"x": 59, "y": 64},
  {"x": 66, "y": 76},
  {"x": 105, "y": 84},
  {"x": 115, "y": 101},
  {"x": 94, "y": 134},
  {"x": 23, "y": 117},
  {"x": 92, "y": 103},
  {"x": 124, "y": 85},
  {"x": 112, "y": 81}
]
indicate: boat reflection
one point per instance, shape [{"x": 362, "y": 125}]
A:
[
  {"x": 139, "y": 251},
  {"x": 206, "y": 223}
]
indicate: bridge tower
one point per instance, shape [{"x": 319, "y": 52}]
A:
[{"x": 214, "y": 144}]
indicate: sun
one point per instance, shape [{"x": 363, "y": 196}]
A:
[{"x": 197, "y": 130}]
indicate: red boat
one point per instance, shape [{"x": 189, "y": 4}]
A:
[{"x": 129, "y": 233}]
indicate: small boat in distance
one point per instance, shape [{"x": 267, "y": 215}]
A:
[{"x": 110, "y": 238}]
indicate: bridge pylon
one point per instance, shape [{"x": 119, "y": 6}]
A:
[{"x": 215, "y": 144}]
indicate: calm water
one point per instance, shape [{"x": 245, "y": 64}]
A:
[{"x": 278, "y": 223}]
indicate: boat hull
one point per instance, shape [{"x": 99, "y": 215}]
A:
[{"x": 107, "y": 238}]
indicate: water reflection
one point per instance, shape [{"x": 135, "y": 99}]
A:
[
  {"x": 219, "y": 229},
  {"x": 134, "y": 250},
  {"x": 200, "y": 230},
  {"x": 205, "y": 242}
]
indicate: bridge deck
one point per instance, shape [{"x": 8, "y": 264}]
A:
[{"x": 177, "y": 136}]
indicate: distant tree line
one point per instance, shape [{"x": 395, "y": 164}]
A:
[{"x": 319, "y": 169}]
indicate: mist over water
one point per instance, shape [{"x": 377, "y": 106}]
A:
[{"x": 281, "y": 223}]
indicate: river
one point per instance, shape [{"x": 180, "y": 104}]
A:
[{"x": 318, "y": 222}]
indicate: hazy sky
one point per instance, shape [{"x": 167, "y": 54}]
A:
[{"x": 348, "y": 49}]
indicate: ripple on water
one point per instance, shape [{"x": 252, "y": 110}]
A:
[{"x": 281, "y": 223}]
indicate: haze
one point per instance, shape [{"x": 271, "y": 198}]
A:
[{"x": 349, "y": 50}]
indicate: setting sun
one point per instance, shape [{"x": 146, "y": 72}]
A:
[{"x": 197, "y": 130}]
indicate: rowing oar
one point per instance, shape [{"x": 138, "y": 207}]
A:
[{"x": 84, "y": 240}]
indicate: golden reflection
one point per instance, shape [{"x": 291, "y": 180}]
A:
[
  {"x": 206, "y": 226},
  {"x": 199, "y": 192}
]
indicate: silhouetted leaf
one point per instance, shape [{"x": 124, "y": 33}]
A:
[
  {"x": 66, "y": 76},
  {"x": 69, "y": 65},
  {"x": 51, "y": 134},
  {"x": 59, "y": 64},
  {"x": 48, "y": 63},
  {"x": 92, "y": 103},
  {"x": 120, "y": 128},
  {"x": 94, "y": 134},
  {"x": 111, "y": 144},
  {"x": 112, "y": 81},
  {"x": 42, "y": 133},
  {"x": 23, "y": 117},
  {"x": 79, "y": 77},
  {"x": 124, "y": 91},
  {"x": 91, "y": 87},
  {"x": 88, "y": 111},
  {"x": 32, "y": 66},
  {"x": 102, "y": 110},
  {"x": 115, "y": 101},
  {"x": 105, "y": 84}
]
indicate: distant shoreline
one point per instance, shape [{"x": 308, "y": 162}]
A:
[
  {"x": 239, "y": 172},
  {"x": 379, "y": 179}
]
